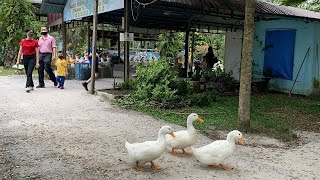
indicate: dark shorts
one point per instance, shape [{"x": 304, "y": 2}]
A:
[{"x": 97, "y": 67}]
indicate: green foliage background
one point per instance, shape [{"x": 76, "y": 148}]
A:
[{"x": 15, "y": 17}]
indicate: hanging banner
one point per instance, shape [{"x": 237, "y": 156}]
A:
[{"x": 77, "y": 9}]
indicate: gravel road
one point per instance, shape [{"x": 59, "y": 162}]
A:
[{"x": 70, "y": 134}]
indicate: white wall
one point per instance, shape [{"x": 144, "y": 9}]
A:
[{"x": 232, "y": 54}]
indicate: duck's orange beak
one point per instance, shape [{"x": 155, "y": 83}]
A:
[
  {"x": 200, "y": 120},
  {"x": 172, "y": 134},
  {"x": 241, "y": 141}
]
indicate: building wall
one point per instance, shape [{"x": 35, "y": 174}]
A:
[
  {"x": 52, "y": 17},
  {"x": 305, "y": 37},
  {"x": 232, "y": 56}
]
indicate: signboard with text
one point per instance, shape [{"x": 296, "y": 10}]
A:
[
  {"x": 77, "y": 9},
  {"x": 126, "y": 36}
]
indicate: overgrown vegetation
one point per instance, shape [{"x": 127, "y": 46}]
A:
[
  {"x": 126, "y": 85},
  {"x": 157, "y": 85}
]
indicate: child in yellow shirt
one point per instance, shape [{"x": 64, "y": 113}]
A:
[{"x": 62, "y": 70}]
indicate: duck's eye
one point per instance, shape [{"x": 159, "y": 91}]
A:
[{"x": 239, "y": 134}]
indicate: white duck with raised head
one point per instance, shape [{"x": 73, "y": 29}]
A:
[
  {"x": 184, "y": 138},
  {"x": 215, "y": 153}
]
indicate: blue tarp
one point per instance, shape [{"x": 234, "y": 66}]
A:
[{"x": 279, "y": 53}]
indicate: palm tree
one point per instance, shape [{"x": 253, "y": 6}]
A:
[{"x": 246, "y": 68}]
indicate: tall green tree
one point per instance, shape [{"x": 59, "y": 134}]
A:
[
  {"x": 246, "y": 68},
  {"x": 313, "y": 5},
  {"x": 170, "y": 44},
  {"x": 293, "y": 2},
  {"x": 15, "y": 17}
]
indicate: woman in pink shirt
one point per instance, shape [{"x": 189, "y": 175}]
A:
[{"x": 47, "y": 48}]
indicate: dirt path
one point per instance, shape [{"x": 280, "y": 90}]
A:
[{"x": 69, "y": 134}]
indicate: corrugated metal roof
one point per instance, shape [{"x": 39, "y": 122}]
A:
[
  {"x": 225, "y": 6},
  {"x": 52, "y": 6},
  {"x": 239, "y": 6},
  {"x": 300, "y": 12},
  {"x": 185, "y": 14}
]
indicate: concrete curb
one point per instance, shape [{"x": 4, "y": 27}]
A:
[{"x": 109, "y": 96}]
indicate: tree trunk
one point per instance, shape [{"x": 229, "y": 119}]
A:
[
  {"x": 246, "y": 68},
  {"x": 9, "y": 57}
]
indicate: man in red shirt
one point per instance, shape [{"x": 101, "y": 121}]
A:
[
  {"x": 47, "y": 47},
  {"x": 30, "y": 51}
]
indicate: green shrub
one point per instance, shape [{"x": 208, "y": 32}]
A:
[
  {"x": 158, "y": 86},
  {"x": 201, "y": 99},
  {"x": 183, "y": 87},
  {"x": 155, "y": 82},
  {"x": 126, "y": 85}
]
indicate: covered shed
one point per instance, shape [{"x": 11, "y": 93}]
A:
[
  {"x": 227, "y": 15},
  {"x": 286, "y": 49}
]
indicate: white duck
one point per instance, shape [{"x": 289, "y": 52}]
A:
[
  {"x": 149, "y": 150},
  {"x": 184, "y": 138},
  {"x": 215, "y": 153}
]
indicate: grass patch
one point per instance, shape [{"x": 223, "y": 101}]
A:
[
  {"x": 6, "y": 72},
  {"x": 276, "y": 115},
  {"x": 9, "y": 72}
]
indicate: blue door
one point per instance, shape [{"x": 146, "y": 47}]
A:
[{"x": 279, "y": 53}]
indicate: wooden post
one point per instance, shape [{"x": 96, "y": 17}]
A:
[
  {"x": 94, "y": 42},
  {"x": 186, "y": 52},
  {"x": 192, "y": 47},
  {"x": 126, "y": 43},
  {"x": 64, "y": 38},
  {"x": 88, "y": 35},
  {"x": 119, "y": 48},
  {"x": 192, "y": 50}
]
